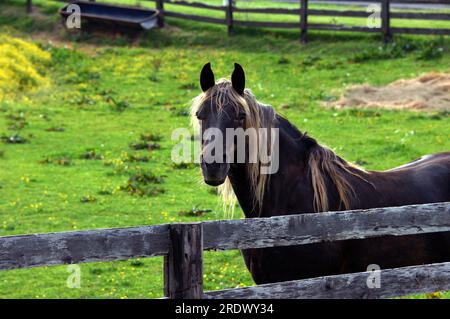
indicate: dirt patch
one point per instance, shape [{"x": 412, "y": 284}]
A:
[{"x": 430, "y": 91}]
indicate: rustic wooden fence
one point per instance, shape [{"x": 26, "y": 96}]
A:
[
  {"x": 303, "y": 12},
  {"x": 182, "y": 246}
]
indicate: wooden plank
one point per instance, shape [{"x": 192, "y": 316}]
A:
[
  {"x": 347, "y": 13},
  {"x": 339, "y": 27},
  {"x": 266, "y": 24},
  {"x": 83, "y": 246},
  {"x": 268, "y": 10},
  {"x": 420, "y": 1},
  {"x": 160, "y": 8},
  {"x": 201, "y": 5},
  {"x": 194, "y": 17},
  {"x": 385, "y": 21},
  {"x": 29, "y": 6},
  {"x": 338, "y": 13},
  {"x": 326, "y": 227},
  {"x": 432, "y": 2},
  {"x": 196, "y": 5},
  {"x": 421, "y": 31},
  {"x": 393, "y": 283},
  {"x": 420, "y": 15},
  {"x": 147, "y": 241},
  {"x": 183, "y": 270},
  {"x": 304, "y": 21},
  {"x": 229, "y": 17},
  {"x": 166, "y": 276}
]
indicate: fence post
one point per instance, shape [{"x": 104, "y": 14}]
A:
[
  {"x": 385, "y": 20},
  {"x": 229, "y": 16},
  {"x": 183, "y": 266},
  {"x": 160, "y": 8},
  {"x": 304, "y": 21},
  {"x": 29, "y": 6}
]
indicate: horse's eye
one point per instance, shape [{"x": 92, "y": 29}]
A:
[{"x": 241, "y": 116}]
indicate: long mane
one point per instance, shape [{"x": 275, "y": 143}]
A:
[
  {"x": 322, "y": 161},
  {"x": 257, "y": 115}
]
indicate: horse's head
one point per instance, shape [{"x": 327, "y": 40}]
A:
[{"x": 221, "y": 106}]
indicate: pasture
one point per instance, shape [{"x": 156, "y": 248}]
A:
[{"x": 97, "y": 137}]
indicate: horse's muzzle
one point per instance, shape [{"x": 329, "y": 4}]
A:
[
  {"x": 216, "y": 182},
  {"x": 215, "y": 174}
]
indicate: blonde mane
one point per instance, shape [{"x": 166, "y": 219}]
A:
[
  {"x": 322, "y": 161},
  {"x": 257, "y": 115}
]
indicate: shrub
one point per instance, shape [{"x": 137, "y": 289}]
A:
[
  {"x": 21, "y": 66},
  {"x": 432, "y": 50}
]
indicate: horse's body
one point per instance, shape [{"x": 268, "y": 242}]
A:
[
  {"x": 311, "y": 178},
  {"x": 289, "y": 191}
]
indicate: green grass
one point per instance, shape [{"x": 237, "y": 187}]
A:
[{"x": 154, "y": 77}]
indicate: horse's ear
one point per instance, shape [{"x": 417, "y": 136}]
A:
[
  {"x": 207, "y": 77},
  {"x": 238, "y": 79}
]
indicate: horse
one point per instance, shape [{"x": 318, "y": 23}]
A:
[{"x": 311, "y": 178}]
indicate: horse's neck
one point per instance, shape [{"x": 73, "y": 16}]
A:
[
  {"x": 289, "y": 191},
  {"x": 242, "y": 188},
  {"x": 277, "y": 196}
]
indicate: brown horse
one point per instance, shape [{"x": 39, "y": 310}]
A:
[{"x": 312, "y": 178}]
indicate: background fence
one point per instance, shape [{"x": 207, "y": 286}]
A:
[
  {"x": 303, "y": 13},
  {"x": 182, "y": 246}
]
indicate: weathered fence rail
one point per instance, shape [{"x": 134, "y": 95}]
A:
[
  {"x": 183, "y": 244},
  {"x": 386, "y": 15},
  {"x": 395, "y": 282},
  {"x": 303, "y": 12}
]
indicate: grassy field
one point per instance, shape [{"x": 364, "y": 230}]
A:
[{"x": 78, "y": 167}]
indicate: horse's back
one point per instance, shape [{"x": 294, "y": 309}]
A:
[
  {"x": 425, "y": 180},
  {"x": 424, "y": 161}
]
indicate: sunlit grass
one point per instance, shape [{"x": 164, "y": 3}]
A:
[{"x": 107, "y": 91}]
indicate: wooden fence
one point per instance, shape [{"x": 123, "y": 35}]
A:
[
  {"x": 182, "y": 246},
  {"x": 303, "y": 12}
]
